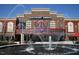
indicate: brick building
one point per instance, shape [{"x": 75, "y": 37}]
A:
[{"x": 38, "y": 24}]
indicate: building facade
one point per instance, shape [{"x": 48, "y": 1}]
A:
[
  {"x": 38, "y": 24},
  {"x": 72, "y": 28},
  {"x": 7, "y": 28}
]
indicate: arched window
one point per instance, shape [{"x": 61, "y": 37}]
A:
[
  {"x": 70, "y": 27},
  {"x": 10, "y": 27},
  {"x": 52, "y": 24},
  {"x": 1, "y": 26}
]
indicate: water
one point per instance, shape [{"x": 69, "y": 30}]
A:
[
  {"x": 10, "y": 13},
  {"x": 22, "y": 38},
  {"x": 50, "y": 44},
  {"x": 31, "y": 47},
  {"x": 19, "y": 5},
  {"x": 49, "y": 48}
]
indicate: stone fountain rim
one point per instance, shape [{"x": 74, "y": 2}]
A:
[
  {"x": 27, "y": 44},
  {"x": 24, "y": 45}
]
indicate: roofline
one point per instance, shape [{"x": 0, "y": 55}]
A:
[
  {"x": 72, "y": 19},
  {"x": 7, "y": 18},
  {"x": 40, "y": 9}
]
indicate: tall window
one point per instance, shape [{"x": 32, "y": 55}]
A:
[
  {"x": 70, "y": 27},
  {"x": 28, "y": 24},
  {"x": 10, "y": 27},
  {"x": 78, "y": 27},
  {"x": 1, "y": 26},
  {"x": 52, "y": 24}
]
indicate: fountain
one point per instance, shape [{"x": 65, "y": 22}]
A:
[
  {"x": 30, "y": 48},
  {"x": 50, "y": 44},
  {"x": 22, "y": 35},
  {"x": 22, "y": 38},
  {"x": 42, "y": 48},
  {"x": 38, "y": 49}
]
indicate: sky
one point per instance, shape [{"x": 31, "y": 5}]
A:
[{"x": 11, "y": 10}]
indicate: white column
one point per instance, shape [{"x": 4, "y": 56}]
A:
[
  {"x": 22, "y": 38},
  {"x": 50, "y": 42}
]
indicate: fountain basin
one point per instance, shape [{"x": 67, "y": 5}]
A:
[{"x": 39, "y": 49}]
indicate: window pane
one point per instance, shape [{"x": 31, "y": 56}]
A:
[
  {"x": 10, "y": 27},
  {"x": 52, "y": 24},
  {"x": 28, "y": 24},
  {"x": 70, "y": 27}
]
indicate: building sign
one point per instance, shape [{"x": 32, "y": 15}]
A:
[
  {"x": 41, "y": 30},
  {"x": 1, "y": 26},
  {"x": 10, "y": 27}
]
